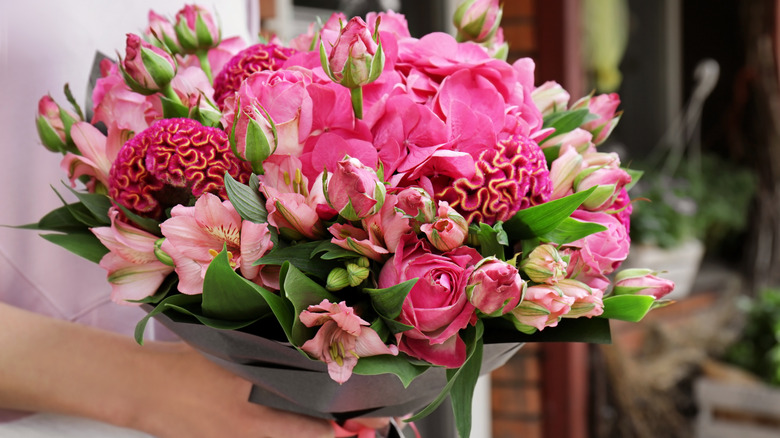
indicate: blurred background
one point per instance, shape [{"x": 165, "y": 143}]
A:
[{"x": 698, "y": 82}]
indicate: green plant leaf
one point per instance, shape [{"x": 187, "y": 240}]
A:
[
  {"x": 300, "y": 256},
  {"x": 246, "y": 201},
  {"x": 81, "y": 213},
  {"x": 492, "y": 239},
  {"x": 627, "y": 307},
  {"x": 551, "y": 153},
  {"x": 386, "y": 363},
  {"x": 388, "y": 301},
  {"x": 570, "y": 230},
  {"x": 173, "y": 109},
  {"x": 302, "y": 292},
  {"x": 229, "y": 296},
  {"x": 96, "y": 203},
  {"x": 567, "y": 121},
  {"x": 462, "y": 391},
  {"x": 145, "y": 223},
  {"x": 177, "y": 299},
  {"x": 82, "y": 244},
  {"x": 331, "y": 251},
  {"x": 544, "y": 218},
  {"x": 60, "y": 219},
  {"x": 472, "y": 335}
]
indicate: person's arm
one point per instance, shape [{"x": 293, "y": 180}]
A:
[{"x": 164, "y": 389}]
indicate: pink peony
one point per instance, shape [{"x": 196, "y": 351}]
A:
[{"x": 437, "y": 307}]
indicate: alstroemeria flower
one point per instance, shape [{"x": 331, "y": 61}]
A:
[
  {"x": 195, "y": 235},
  {"x": 292, "y": 214},
  {"x": 343, "y": 338},
  {"x": 134, "y": 271},
  {"x": 97, "y": 153}
]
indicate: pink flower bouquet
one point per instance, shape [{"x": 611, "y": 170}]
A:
[{"x": 359, "y": 205}]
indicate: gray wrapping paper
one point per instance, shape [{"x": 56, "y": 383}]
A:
[{"x": 285, "y": 379}]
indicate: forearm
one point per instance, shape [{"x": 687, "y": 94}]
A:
[{"x": 57, "y": 366}]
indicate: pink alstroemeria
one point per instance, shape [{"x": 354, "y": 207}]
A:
[
  {"x": 134, "y": 271},
  {"x": 448, "y": 231},
  {"x": 642, "y": 282},
  {"x": 97, "y": 153},
  {"x": 292, "y": 215},
  {"x": 343, "y": 338},
  {"x": 195, "y": 235},
  {"x": 357, "y": 240}
]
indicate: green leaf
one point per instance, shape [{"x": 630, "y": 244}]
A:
[
  {"x": 178, "y": 299},
  {"x": 388, "y": 301},
  {"x": 544, "y": 218},
  {"x": 59, "y": 219},
  {"x": 173, "y": 109},
  {"x": 551, "y": 153},
  {"x": 331, "y": 251},
  {"x": 302, "y": 292},
  {"x": 96, "y": 203},
  {"x": 229, "y": 296},
  {"x": 627, "y": 307},
  {"x": 385, "y": 363},
  {"x": 69, "y": 97},
  {"x": 567, "y": 121},
  {"x": 462, "y": 391},
  {"x": 472, "y": 336},
  {"x": 590, "y": 330},
  {"x": 635, "y": 175},
  {"x": 570, "y": 230},
  {"x": 246, "y": 201},
  {"x": 81, "y": 213},
  {"x": 210, "y": 322},
  {"x": 82, "y": 244},
  {"x": 299, "y": 256},
  {"x": 492, "y": 239},
  {"x": 145, "y": 223}
]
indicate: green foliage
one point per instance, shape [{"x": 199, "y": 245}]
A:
[
  {"x": 758, "y": 348},
  {"x": 710, "y": 203}
]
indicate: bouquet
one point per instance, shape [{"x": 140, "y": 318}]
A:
[{"x": 392, "y": 213}]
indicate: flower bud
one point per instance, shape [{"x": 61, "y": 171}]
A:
[
  {"x": 417, "y": 205},
  {"x": 161, "y": 255},
  {"x": 542, "y": 306},
  {"x": 146, "y": 69},
  {"x": 162, "y": 34},
  {"x": 356, "y": 274},
  {"x": 604, "y": 107},
  {"x": 642, "y": 282},
  {"x": 337, "y": 279},
  {"x": 544, "y": 265},
  {"x": 550, "y": 98},
  {"x": 587, "y": 300},
  {"x": 253, "y": 136},
  {"x": 196, "y": 29},
  {"x": 354, "y": 190},
  {"x": 448, "y": 231},
  {"x": 53, "y": 124},
  {"x": 477, "y": 20},
  {"x": 495, "y": 287},
  {"x": 355, "y": 59},
  {"x": 564, "y": 170}
]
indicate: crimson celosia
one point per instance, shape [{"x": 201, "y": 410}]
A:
[
  {"x": 250, "y": 60},
  {"x": 509, "y": 177},
  {"x": 168, "y": 163}
]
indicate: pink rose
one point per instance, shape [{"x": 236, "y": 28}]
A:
[
  {"x": 147, "y": 69},
  {"x": 351, "y": 59},
  {"x": 449, "y": 229},
  {"x": 354, "y": 190},
  {"x": 437, "y": 307},
  {"x": 543, "y": 306},
  {"x": 594, "y": 257},
  {"x": 495, "y": 286},
  {"x": 642, "y": 282}
]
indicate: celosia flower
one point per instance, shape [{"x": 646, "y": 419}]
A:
[
  {"x": 449, "y": 229},
  {"x": 196, "y": 29},
  {"x": 354, "y": 190},
  {"x": 134, "y": 271},
  {"x": 343, "y": 338},
  {"x": 495, "y": 287},
  {"x": 510, "y": 176},
  {"x": 477, "y": 20},
  {"x": 642, "y": 282},
  {"x": 168, "y": 163},
  {"x": 195, "y": 235},
  {"x": 147, "y": 69},
  {"x": 258, "y": 57},
  {"x": 544, "y": 265}
]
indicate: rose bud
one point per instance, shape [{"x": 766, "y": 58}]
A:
[
  {"x": 417, "y": 205},
  {"x": 355, "y": 59},
  {"x": 196, "y": 29},
  {"x": 53, "y": 124},
  {"x": 161, "y": 33},
  {"x": 146, "y": 69},
  {"x": 354, "y": 190},
  {"x": 544, "y": 265},
  {"x": 448, "y": 231},
  {"x": 253, "y": 136},
  {"x": 495, "y": 287},
  {"x": 477, "y": 20},
  {"x": 642, "y": 282}
]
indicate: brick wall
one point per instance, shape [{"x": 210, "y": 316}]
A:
[{"x": 517, "y": 396}]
